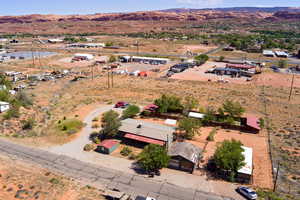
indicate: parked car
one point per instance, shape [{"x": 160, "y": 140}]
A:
[
  {"x": 121, "y": 104},
  {"x": 275, "y": 69},
  {"x": 144, "y": 198},
  {"x": 248, "y": 193}
]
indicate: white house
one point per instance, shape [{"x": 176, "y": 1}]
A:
[{"x": 4, "y": 106}]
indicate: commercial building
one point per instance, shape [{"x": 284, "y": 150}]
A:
[
  {"x": 86, "y": 45},
  {"x": 147, "y": 132},
  {"x": 268, "y": 53},
  {"x": 146, "y": 60},
  {"x": 184, "y": 156},
  {"x": 281, "y": 54}
]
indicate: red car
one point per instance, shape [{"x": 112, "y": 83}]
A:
[{"x": 121, "y": 104}]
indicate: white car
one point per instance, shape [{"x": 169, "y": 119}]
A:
[{"x": 247, "y": 192}]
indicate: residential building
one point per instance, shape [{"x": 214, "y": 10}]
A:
[
  {"x": 245, "y": 173},
  {"x": 147, "y": 132},
  {"x": 107, "y": 146},
  {"x": 184, "y": 156}
]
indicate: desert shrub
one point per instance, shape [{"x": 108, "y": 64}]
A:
[
  {"x": 54, "y": 181},
  {"x": 13, "y": 112},
  {"x": 89, "y": 147},
  {"x": 28, "y": 124},
  {"x": 125, "y": 151},
  {"x": 261, "y": 123},
  {"x": 95, "y": 125},
  {"x": 211, "y": 136},
  {"x": 132, "y": 156},
  {"x": 23, "y": 99},
  {"x": 95, "y": 119}
]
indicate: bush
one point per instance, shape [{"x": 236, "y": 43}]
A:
[
  {"x": 23, "y": 99},
  {"x": 28, "y": 124},
  {"x": 189, "y": 126},
  {"x": 261, "y": 123},
  {"x": 211, "y": 136},
  {"x": 95, "y": 125},
  {"x": 95, "y": 119},
  {"x": 89, "y": 147},
  {"x": 125, "y": 151},
  {"x": 12, "y": 113},
  {"x": 54, "y": 181},
  {"x": 169, "y": 103},
  {"x": 132, "y": 156},
  {"x": 130, "y": 111},
  {"x": 110, "y": 123}
]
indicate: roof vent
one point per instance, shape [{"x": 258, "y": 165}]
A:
[{"x": 139, "y": 126}]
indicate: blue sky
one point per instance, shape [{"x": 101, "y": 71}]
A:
[{"x": 17, "y": 7}]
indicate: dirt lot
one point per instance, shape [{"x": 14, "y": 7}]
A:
[
  {"x": 261, "y": 161},
  {"x": 23, "y": 181}
]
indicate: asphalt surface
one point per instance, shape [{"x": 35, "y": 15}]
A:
[{"x": 103, "y": 178}]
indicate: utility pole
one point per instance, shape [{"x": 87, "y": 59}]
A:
[
  {"x": 137, "y": 47},
  {"x": 92, "y": 71},
  {"x": 292, "y": 85},
  {"x": 108, "y": 82},
  {"x": 112, "y": 79},
  {"x": 277, "y": 172}
]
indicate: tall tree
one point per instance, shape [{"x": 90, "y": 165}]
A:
[
  {"x": 153, "y": 157},
  {"x": 168, "y": 103},
  {"x": 232, "y": 109},
  {"x": 190, "y": 103},
  {"x": 130, "y": 111},
  {"x": 229, "y": 157},
  {"x": 190, "y": 127},
  {"x": 110, "y": 124}
]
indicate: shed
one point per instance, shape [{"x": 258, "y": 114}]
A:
[
  {"x": 196, "y": 115},
  {"x": 184, "y": 156},
  {"x": 108, "y": 146},
  {"x": 4, "y": 106},
  {"x": 245, "y": 173}
]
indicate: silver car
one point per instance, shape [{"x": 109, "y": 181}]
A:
[{"x": 247, "y": 192}]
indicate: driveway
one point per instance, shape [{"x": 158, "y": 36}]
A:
[{"x": 74, "y": 149}]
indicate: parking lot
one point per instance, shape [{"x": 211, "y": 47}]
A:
[{"x": 198, "y": 74}]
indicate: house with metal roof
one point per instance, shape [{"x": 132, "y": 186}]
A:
[
  {"x": 147, "y": 132},
  {"x": 245, "y": 173},
  {"x": 107, "y": 146},
  {"x": 251, "y": 124},
  {"x": 184, "y": 156}
]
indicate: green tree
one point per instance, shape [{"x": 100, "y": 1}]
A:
[
  {"x": 210, "y": 115},
  {"x": 190, "y": 127},
  {"x": 201, "y": 59},
  {"x": 5, "y": 81},
  {"x": 229, "y": 156},
  {"x": 110, "y": 123},
  {"x": 282, "y": 63},
  {"x": 190, "y": 103},
  {"x": 168, "y": 103},
  {"x": 232, "y": 109},
  {"x": 153, "y": 157},
  {"x": 221, "y": 58},
  {"x": 112, "y": 59},
  {"x": 130, "y": 111}
]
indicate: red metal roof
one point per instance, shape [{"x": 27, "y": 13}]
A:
[
  {"x": 144, "y": 139},
  {"x": 108, "y": 143},
  {"x": 151, "y": 106},
  {"x": 239, "y": 66},
  {"x": 253, "y": 122}
]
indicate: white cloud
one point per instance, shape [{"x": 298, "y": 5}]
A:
[{"x": 201, "y": 2}]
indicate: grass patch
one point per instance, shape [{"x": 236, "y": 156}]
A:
[{"x": 70, "y": 126}]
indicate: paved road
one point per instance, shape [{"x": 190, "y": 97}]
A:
[{"x": 102, "y": 177}]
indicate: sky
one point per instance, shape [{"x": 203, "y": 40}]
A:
[{"x": 20, "y": 7}]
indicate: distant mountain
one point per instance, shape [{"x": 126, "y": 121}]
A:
[{"x": 235, "y": 9}]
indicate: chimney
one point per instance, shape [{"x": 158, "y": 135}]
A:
[{"x": 139, "y": 126}]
